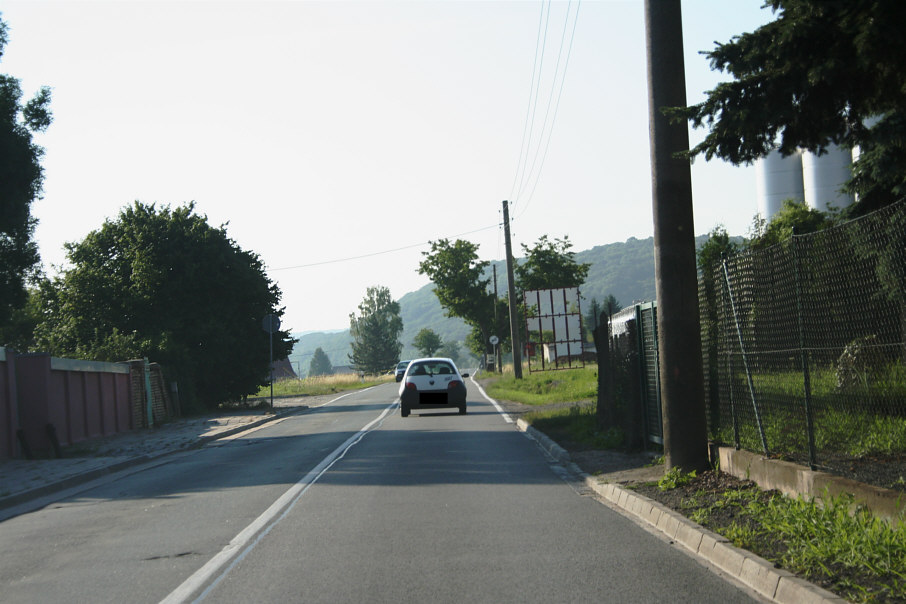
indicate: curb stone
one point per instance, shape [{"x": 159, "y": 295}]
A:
[{"x": 753, "y": 571}]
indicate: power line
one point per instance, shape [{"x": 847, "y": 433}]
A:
[
  {"x": 372, "y": 254},
  {"x": 529, "y": 110},
  {"x": 550, "y": 132},
  {"x": 533, "y": 176}
]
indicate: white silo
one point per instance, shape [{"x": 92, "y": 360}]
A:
[
  {"x": 778, "y": 178},
  {"x": 824, "y": 175}
]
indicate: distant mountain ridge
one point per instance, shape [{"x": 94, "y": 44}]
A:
[{"x": 623, "y": 269}]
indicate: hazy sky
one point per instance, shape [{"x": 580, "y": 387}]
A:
[{"x": 335, "y": 139}]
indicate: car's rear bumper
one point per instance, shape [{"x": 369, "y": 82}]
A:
[{"x": 438, "y": 399}]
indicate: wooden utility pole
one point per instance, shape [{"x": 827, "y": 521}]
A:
[
  {"x": 496, "y": 322},
  {"x": 511, "y": 295},
  {"x": 676, "y": 281}
]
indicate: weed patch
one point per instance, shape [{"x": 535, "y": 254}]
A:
[{"x": 833, "y": 544}]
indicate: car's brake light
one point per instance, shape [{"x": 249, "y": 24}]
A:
[
  {"x": 454, "y": 384},
  {"x": 411, "y": 385}
]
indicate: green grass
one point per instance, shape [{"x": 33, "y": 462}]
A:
[
  {"x": 852, "y": 422},
  {"x": 831, "y": 540},
  {"x": 576, "y": 425},
  {"x": 322, "y": 385},
  {"x": 545, "y": 387}
]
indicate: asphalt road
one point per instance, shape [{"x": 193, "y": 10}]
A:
[{"x": 349, "y": 502}]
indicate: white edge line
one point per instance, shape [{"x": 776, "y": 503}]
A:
[
  {"x": 506, "y": 416},
  {"x": 266, "y": 521}
]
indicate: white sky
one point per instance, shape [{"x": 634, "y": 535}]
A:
[{"x": 321, "y": 131}]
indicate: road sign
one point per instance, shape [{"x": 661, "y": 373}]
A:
[
  {"x": 494, "y": 340},
  {"x": 271, "y": 323}
]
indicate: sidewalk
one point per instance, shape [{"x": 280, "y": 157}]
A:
[{"x": 24, "y": 479}]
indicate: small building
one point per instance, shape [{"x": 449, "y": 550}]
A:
[{"x": 283, "y": 370}]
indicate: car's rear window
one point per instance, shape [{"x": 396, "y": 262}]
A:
[{"x": 432, "y": 368}]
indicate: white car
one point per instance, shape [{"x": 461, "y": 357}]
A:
[{"x": 432, "y": 383}]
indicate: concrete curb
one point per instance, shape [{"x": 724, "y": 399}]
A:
[
  {"x": 544, "y": 441},
  {"x": 74, "y": 480},
  {"x": 753, "y": 571},
  {"x": 89, "y": 475},
  {"x": 203, "y": 440},
  {"x": 774, "y": 583}
]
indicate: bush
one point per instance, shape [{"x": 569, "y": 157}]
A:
[{"x": 860, "y": 363}]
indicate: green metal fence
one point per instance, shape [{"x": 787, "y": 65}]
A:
[{"x": 805, "y": 354}]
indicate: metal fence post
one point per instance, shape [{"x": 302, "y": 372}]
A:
[
  {"x": 745, "y": 362},
  {"x": 803, "y": 355},
  {"x": 732, "y": 401}
]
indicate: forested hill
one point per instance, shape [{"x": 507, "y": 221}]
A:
[{"x": 624, "y": 270}]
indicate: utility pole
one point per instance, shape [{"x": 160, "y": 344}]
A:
[
  {"x": 676, "y": 282},
  {"x": 496, "y": 346},
  {"x": 511, "y": 295}
]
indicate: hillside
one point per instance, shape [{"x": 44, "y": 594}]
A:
[{"x": 624, "y": 270}]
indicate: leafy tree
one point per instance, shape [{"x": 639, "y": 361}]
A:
[
  {"x": 376, "y": 331},
  {"x": 718, "y": 246},
  {"x": 320, "y": 363},
  {"x": 793, "y": 216},
  {"x": 550, "y": 264},
  {"x": 21, "y": 180},
  {"x": 824, "y": 72},
  {"x": 18, "y": 333},
  {"x": 462, "y": 290},
  {"x": 610, "y": 306},
  {"x": 427, "y": 342},
  {"x": 450, "y": 350},
  {"x": 593, "y": 318},
  {"x": 164, "y": 284}
]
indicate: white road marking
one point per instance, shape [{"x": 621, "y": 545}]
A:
[
  {"x": 243, "y": 543},
  {"x": 506, "y": 416}
]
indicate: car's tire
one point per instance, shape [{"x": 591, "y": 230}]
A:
[
  {"x": 462, "y": 410},
  {"x": 404, "y": 411}
]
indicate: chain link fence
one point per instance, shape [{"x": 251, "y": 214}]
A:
[{"x": 805, "y": 353}]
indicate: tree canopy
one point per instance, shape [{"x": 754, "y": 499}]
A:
[
  {"x": 450, "y": 350},
  {"x": 376, "y": 331},
  {"x": 162, "y": 283},
  {"x": 823, "y": 72},
  {"x": 793, "y": 217},
  {"x": 21, "y": 180},
  {"x": 320, "y": 364},
  {"x": 427, "y": 342},
  {"x": 550, "y": 264},
  {"x": 463, "y": 290}
]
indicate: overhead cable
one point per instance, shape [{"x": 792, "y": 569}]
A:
[
  {"x": 540, "y": 44},
  {"x": 371, "y": 254},
  {"x": 528, "y": 180},
  {"x": 556, "y": 107}
]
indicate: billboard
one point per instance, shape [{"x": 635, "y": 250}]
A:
[{"x": 553, "y": 326}]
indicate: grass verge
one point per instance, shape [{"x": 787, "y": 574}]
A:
[
  {"x": 327, "y": 384},
  {"x": 545, "y": 387},
  {"x": 575, "y": 426}
]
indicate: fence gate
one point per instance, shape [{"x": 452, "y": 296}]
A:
[{"x": 646, "y": 320}]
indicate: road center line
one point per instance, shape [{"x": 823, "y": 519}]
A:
[{"x": 248, "y": 538}]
